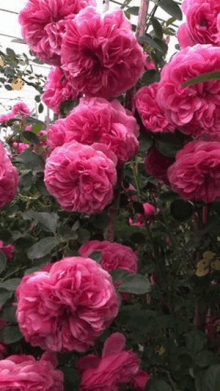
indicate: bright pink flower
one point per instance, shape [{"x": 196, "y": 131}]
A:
[
  {"x": 57, "y": 90},
  {"x": 8, "y": 250},
  {"x": 194, "y": 109},
  {"x": 101, "y": 54},
  {"x": 151, "y": 114},
  {"x": 19, "y": 147},
  {"x": 157, "y": 164},
  {"x": 43, "y": 23},
  {"x": 21, "y": 109},
  {"x": 80, "y": 178},
  {"x": 114, "y": 255},
  {"x": 201, "y": 23},
  {"x": 149, "y": 63},
  {"x": 24, "y": 372},
  {"x": 68, "y": 306},
  {"x": 149, "y": 209},
  {"x": 116, "y": 367},
  {"x": 6, "y": 117},
  {"x": 95, "y": 120},
  {"x": 8, "y": 178},
  {"x": 195, "y": 175},
  {"x": 139, "y": 220}
]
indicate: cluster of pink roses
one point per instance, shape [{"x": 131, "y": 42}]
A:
[
  {"x": 8, "y": 178},
  {"x": 19, "y": 109},
  {"x": 194, "y": 110}
]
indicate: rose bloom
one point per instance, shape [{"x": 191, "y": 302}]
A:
[
  {"x": 201, "y": 23},
  {"x": 20, "y": 147},
  {"x": 194, "y": 109},
  {"x": 66, "y": 307},
  {"x": 114, "y": 255},
  {"x": 7, "y": 250},
  {"x": 116, "y": 367},
  {"x": 151, "y": 114},
  {"x": 21, "y": 109},
  {"x": 157, "y": 164},
  {"x": 80, "y": 177},
  {"x": 95, "y": 120},
  {"x": 139, "y": 221},
  {"x": 8, "y": 178},
  {"x": 100, "y": 53},
  {"x": 57, "y": 90},
  {"x": 195, "y": 175},
  {"x": 6, "y": 117},
  {"x": 43, "y": 24},
  {"x": 24, "y": 372}
]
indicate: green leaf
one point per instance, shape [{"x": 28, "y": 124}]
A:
[
  {"x": 31, "y": 159},
  {"x": 169, "y": 143},
  {"x": 203, "y": 78},
  {"x": 208, "y": 380},
  {"x": 68, "y": 105},
  {"x": 96, "y": 256},
  {"x": 36, "y": 128},
  {"x": 11, "y": 334},
  {"x": 9, "y": 314},
  {"x": 145, "y": 142},
  {"x": 204, "y": 358},
  {"x": 3, "y": 261},
  {"x": 42, "y": 248},
  {"x": 172, "y": 8},
  {"x": 37, "y": 98},
  {"x": 83, "y": 235},
  {"x": 48, "y": 220},
  {"x": 4, "y": 296},
  {"x": 158, "y": 385},
  {"x": 195, "y": 341},
  {"x": 157, "y": 28},
  {"x": 8, "y": 87},
  {"x": 10, "y": 284},
  {"x": 10, "y": 52},
  {"x": 150, "y": 41},
  {"x": 40, "y": 108},
  {"x": 133, "y": 10},
  {"x": 31, "y": 137},
  {"x": 118, "y": 274},
  {"x": 135, "y": 283}
]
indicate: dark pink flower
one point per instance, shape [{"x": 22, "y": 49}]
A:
[
  {"x": 100, "y": 53},
  {"x": 157, "y": 164},
  {"x": 194, "y": 109},
  {"x": 114, "y": 255},
  {"x": 8, "y": 250},
  {"x": 66, "y": 307},
  {"x": 95, "y": 120},
  {"x": 151, "y": 114},
  {"x": 6, "y": 117},
  {"x": 57, "y": 90},
  {"x": 43, "y": 23},
  {"x": 24, "y": 372},
  {"x": 140, "y": 218},
  {"x": 80, "y": 178},
  {"x": 21, "y": 109},
  {"x": 201, "y": 23},
  {"x": 19, "y": 147},
  {"x": 8, "y": 178},
  {"x": 195, "y": 175},
  {"x": 116, "y": 367}
]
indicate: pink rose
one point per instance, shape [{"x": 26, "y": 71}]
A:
[
  {"x": 21, "y": 109},
  {"x": 194, "y": 109},
  {"x": 43, "y": 24},
  {"x": 8, "y": 178},
  {"x": 19, "y": 147},
  {"x": 95, "y": 120},
  {"x": 139, "y": 221},
  {"x": 66, "y": 307},
  {"x": 201, "y": 23},
  {"x": 195, "y": 175},
  {"x": 117, "y": 366},
  {"x": 114, "y": 255},
  {"x": 7, "y": 250},
  {"x": 80, "y": 178},
  {"x": 6, "y": 117},
  {"x": 151, "y": 114},
  {"x": 57, "y": 90},
  {"x": 24, "y": 372},
  {"x": 157, "y": 164},
  {"x": 100, "y": 53}
]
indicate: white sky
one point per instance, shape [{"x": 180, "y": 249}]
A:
[{"x": 9, "y": 26}]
